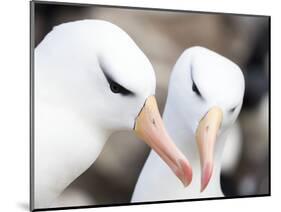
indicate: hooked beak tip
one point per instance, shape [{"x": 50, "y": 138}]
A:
[
  {"x": 206, "y": 176},
  {"x": 185, "y": 173},
  {"x": 149, "y": 127},
  {"x": 206, "y": 136}
]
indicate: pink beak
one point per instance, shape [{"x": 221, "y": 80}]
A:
[
  {"x": 206, "y": 135},
  {"x": 150, "y": 127}
]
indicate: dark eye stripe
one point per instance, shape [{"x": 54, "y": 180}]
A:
[
  {"x": 114, "y": 86},
  {"x": 195, "y": 89},
  {"x": 194, "y": 86},
  {"x": 232, "y": 109},
  {"x": 117, "y": 88}
]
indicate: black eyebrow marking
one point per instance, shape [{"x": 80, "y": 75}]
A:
[
  {"x": 194, "y": 86},
  {"x": 122, "y": 90}
]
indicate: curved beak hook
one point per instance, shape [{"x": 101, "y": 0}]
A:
[
  {"x": 206, "y": 135},
  {"x": 150, "y": 128}
]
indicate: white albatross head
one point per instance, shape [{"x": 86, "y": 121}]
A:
[
  {"x": 95, "y": 69},
  {"x": 211, "y": 89}
]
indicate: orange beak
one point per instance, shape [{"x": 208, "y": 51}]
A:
[
  {"x": 206, "y": 135},
  {"x": 150, "y": 127}
]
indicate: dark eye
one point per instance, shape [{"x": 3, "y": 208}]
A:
[
  {"x": 116, "y": 88},
  {"x": 195, "y": 89},
  {"x": 232, "y": 109}
]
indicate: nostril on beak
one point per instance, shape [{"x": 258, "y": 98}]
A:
[{"x": 153, "y": 121}]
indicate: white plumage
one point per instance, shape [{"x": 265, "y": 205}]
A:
[
  {"x": 202, "y": 83},
  {"x": 91, "y": 79},
  {"x": 73, "y": 99}
]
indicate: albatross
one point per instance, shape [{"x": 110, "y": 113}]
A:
[
  {"x": 91, "y": 80},
  {"x": 204, "y": 99}
]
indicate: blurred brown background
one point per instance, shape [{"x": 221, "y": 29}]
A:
[{"x": 163, "y": 36}]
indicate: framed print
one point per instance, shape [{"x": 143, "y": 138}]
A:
[{"x": 140, "y": 105}]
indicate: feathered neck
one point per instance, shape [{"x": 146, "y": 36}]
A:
[{"x": 65, "y": 146}]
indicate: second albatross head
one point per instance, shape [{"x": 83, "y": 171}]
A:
[{"x": 211, "y": 89}]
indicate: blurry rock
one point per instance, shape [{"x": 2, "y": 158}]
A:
[
  {"x": 255, "y": 127},
  {"x": 232, "y": 150}
]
